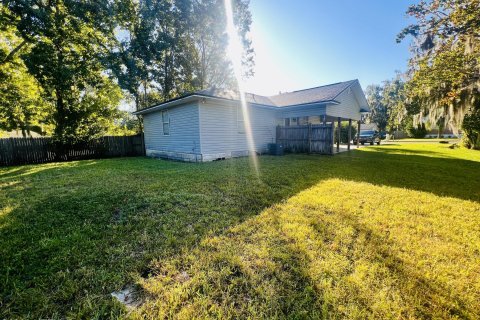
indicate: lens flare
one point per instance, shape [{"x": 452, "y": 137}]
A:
[{"x": 235, "y": 53}]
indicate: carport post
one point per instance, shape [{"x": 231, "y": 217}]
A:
[
  {"x": 349, "y": 132},
  {"x": 358, "y": 135},
  {"x": 309, "y": 138},
  {"x": 339, "y": 127}
]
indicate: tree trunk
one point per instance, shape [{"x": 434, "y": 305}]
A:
[
  {"x": 13, "y": 52},
  {"x": 137, "y": 108},
  {"x": 440, "y": 131}
]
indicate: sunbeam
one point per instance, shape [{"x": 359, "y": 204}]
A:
[{"x": 234, "y": 52}]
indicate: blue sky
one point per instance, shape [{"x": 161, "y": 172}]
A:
[{"x": 307, "y": 43}]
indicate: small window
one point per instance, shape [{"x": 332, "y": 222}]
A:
[
  {"x": 294, "y": 122},
  {"x": 166, "y": 123},
  {"x": 240, "y": 120},
  {"x": 287, "y": 122}
]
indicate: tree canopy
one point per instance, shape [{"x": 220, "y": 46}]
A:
[
  {"x": 387, "y": 103},
  {"x": 80, "y": 59},
  {"x": 22, "y": 106},
  {"x": 67, "y": 41},
  {"x": 444, "y": 73},
  {"x": 167, "y": 48}
]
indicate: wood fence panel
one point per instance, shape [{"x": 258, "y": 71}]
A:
[
  {"x": 306, "y": 139},
  {"x": 18, "y": 151}
]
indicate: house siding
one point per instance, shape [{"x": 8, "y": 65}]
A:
[
  {"x": 349, "y": 108},
  {"x": 219, "y": 133},
  {"x": 183, "y": 142},
  {"x": 206, "y": 128},
  {"x": 303, "y": 111}
]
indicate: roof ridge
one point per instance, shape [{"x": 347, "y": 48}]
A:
[
  {"x": 317, "y": 87},
  {"x": 253, "y": 95},
  {"x": 343, "y": 90}
]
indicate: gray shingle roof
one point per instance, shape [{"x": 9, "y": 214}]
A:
[
  {"x": 317, "y": 94},
  {"x": 234, "y": 95}
]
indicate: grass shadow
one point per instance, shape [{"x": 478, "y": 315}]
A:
[
  {"x": 448, "y": 177},
  {"x": 75, "y": 234},
  {"x": 299, "y": 260}
]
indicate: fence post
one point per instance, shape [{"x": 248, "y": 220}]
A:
[
  {"x": 339, "y": 128},
  {"x": 358, "y": 134},
  {"x": 142, "y": 137}
]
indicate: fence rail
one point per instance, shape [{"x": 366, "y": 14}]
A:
[
  {"x": 18, "y": 151},
  {"x": 309, "y": 138}
]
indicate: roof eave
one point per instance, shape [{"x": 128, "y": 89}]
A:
[
  {"x": 309, "y": 104},
  {"x": 196, "y": 96},
  {"x": 236, "y": 101},
  {"x": 167, "y": 104},
  {"x": 192, "y": 97}
]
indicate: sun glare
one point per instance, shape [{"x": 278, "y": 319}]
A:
[{"x": 235, "y": 52}]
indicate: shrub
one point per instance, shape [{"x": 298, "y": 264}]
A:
[
  {"x": 471, "y": 128},
  {"x": 419, "y": 132},
  {"x": 344, "y": 132}
]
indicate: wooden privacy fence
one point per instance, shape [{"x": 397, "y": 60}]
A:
[
  {"x": 316, "y": 138},
  {"x": 17, "y": 151}
]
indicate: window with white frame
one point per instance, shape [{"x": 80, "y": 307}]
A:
[
  {"x": 240, "y": 120},
  {"x": 166, "y": 123}
]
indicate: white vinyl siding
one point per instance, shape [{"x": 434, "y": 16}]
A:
[
  {"x": 183, "y": 129},
  {"x": 209, "y": 129},
  {"x": 314, "y": 119},
  {"x": 303, "y": 120},
  {"x": 302, "y": 111},
  {"x": 219, "y": 124},
  {"x": 348, "y": 108}
]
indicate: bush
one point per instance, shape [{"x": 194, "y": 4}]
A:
[
  {"x": 418, "y": 133},
  {"x": 344, "y": 132},
  {"x": 471, "y": 128}
]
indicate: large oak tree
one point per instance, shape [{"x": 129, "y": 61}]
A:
[
  {"x": 67, "y": 41},
  {"x": 445, "y": 65}
]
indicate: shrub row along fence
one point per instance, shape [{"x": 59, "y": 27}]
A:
[
  {"x": 309, "y": 138},
  {"x": 17, "y": 151}
]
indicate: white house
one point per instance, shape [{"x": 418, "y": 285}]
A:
[{"x": 209, "y": 124}]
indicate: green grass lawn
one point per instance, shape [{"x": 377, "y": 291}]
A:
[{"x": 381, "y": 232}]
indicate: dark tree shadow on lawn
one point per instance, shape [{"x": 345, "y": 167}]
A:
[
  {"x": 420, "y": 296},
  {"x": 446, "y": 177},
  {"x": 413, "y": 152},
  {"x": 238, "y": 283}
]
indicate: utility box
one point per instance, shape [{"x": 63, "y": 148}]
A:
[{"x": 275, "y": 149}]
